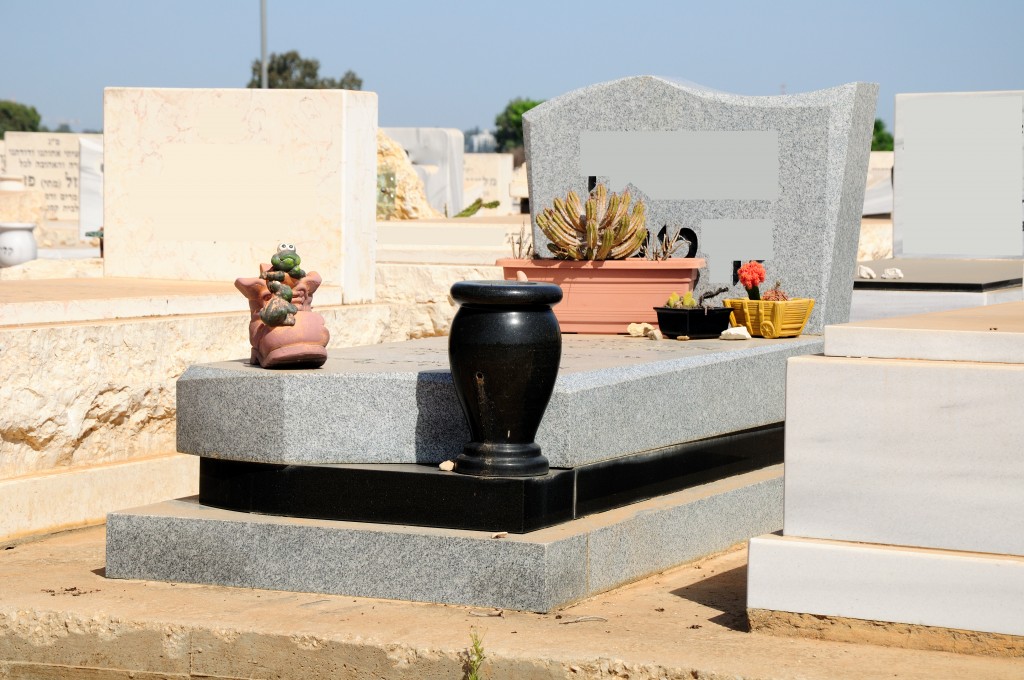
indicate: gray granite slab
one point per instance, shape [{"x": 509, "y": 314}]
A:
[
  {"x": 183, "y": 541},
  {"x": 395, "y": 403},
  {"x": 820, "y": 142}
]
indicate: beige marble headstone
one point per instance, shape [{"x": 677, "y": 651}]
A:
[
  {"x": 49, "y": 162},
  {"x": 202, "y": 184},
  {"x": 494, "y": 171}
]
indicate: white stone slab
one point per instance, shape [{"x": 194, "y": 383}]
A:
[
  {"x": 992, "y": 333},
  {"x": 883, "y": 583},
  {"x": 203, "y": 184},
  {"x": 472, "y": 240},
  {"x": 870, "y": 305},
  {"x": 59, "y": 500},
  {"x": 90, "y": 186},
  {"x": 91, "y": 299},
  {"x": 916, "y": 453}
]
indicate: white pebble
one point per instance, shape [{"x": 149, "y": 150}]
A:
[{"x": 735, "y": 333}]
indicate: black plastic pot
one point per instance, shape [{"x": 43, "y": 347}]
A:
[
  {"x": 694, "y": 323},
  {"x": 504, "y": 349}
]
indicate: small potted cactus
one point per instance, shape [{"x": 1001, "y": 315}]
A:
[
  {"x": 693, "y": 318},
  {"x": 772, "y": 314},
  {"x": 593, "y": 243}
]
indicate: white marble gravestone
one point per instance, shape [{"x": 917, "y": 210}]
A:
[
  {"x": 49, "y": 162},
  {"x": 494, "y": 172},
  {"x": 779, "y": 179},
  {"x": 202, "y": 184},
  {"x": 959, "y": 195},
  {"x": 90, "y": 186}
]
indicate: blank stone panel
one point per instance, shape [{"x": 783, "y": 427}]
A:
[
  {"x": 901, "y": 452},
  {"x": 959, "y": 195}
]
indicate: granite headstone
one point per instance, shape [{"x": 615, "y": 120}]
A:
[{"x": 779, "y": 179}]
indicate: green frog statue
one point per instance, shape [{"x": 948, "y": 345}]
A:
[{"x": 284, "y": 331}]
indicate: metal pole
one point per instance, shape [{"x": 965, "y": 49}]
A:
[{"x": 263, "y": 44}]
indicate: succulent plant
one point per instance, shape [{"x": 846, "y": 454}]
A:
[
  {"x": 775, "y": 293},
  {"x": 688, "y": 301},
  {"x": 601, "y": 229},
  {"x": 685, "y": 302}
]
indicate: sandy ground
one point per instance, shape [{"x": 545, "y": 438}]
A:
[{"x": 60, "y": 617}]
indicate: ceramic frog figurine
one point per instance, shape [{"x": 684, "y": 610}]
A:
[
  {"x": 279, "y": 310},
  {"x": 285, "y": 261},
  {"x": 284, "y": 331}
]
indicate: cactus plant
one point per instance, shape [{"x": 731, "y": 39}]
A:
[
  {"x": 775, "y": 293},
  {"x": 751, "y": 275},
  {"x": 601, "y": 229},
  {"x": 688, "y": 301}
]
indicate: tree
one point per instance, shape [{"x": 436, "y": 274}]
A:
[
  {"x": 290, "y": 70},
  {"x": 18, "y": 118},
  {"x": 881, "y": 140},
  {"x": 510, "y": 123}
]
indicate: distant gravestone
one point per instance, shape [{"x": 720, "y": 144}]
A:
[
  {"x": 3, "y": 157},
  {"x": 779, "y": 179},
  {"x": 959, "y": 175},
  {"x": 494, "y": 172},
  {"x": 436, "y": 155},
  {"x": 202, "y": 184},
  {"x": 90, "y": 187},
  {"x": 49, "y": 162}
]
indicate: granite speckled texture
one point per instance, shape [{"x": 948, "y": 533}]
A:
[
  {"x": 395, "y": 403},
  {"x": 186, "y": 542},
  {"x": 824, "y": 142}
]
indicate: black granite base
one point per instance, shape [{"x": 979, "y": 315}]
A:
[{"x": 426, "y": 496}]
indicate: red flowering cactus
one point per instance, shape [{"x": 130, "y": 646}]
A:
[{"x": 751, "y": 275}]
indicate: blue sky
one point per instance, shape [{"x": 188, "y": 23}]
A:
[{"x": 456, "y": 64}]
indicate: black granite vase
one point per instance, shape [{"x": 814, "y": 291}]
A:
[{"x": 504, "y": 349}]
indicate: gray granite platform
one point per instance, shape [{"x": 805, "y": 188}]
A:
[
  {"x": 183, "y": 541},
  {"x": 395, "y": 403}
]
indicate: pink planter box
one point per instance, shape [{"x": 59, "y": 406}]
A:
[{"x": 606, "y": 296}]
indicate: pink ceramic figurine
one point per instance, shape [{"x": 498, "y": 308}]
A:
[{"x": 284, "y": 331}]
